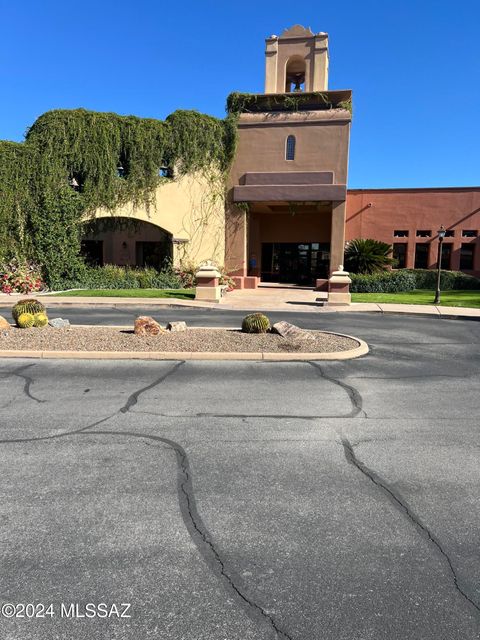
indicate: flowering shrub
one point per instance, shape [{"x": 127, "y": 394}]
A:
[
  {"x": 20, "y": 277},
  {"x": 187, "y": 270}
]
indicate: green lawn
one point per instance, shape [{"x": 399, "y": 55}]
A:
[
  {"x": 182, "y": 294},
  {"x": 420, "y": 296}
]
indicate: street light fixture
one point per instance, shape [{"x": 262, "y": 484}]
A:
[{"x": 441, "y": 236}]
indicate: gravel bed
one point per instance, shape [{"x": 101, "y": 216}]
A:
[{"x": 213, "y": 340}]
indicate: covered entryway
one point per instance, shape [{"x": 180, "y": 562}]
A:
[
  {"x": 295, "y": 263},
  {"x": 289, "y": 242},
  {"x": 295, "y": 227}
]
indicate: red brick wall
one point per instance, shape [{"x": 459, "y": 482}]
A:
[{"x": 377, "y": 213}]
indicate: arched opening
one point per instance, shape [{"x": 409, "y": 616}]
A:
[
  {"x": 295, "y": 74},
  {"x": 126, "y": 242},
  {"x": 290, "y": 148}
]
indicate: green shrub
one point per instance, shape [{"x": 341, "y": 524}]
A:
[
  {"x": 115, "y": 277},
  {"x": 255, "y": 323},
  {"x": 365, "y": 255},
  {"x": 427, "y": 279},
  {"x": 383, "y": 282}
]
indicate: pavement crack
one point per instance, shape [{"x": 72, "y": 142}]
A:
[
  {"x": 353, "y": 393},
  {"x": 63, "y": 434},
  {"x": 200, "y": 534},
  {"x": 400, "y": 503},
  {"x": 133, "y": 398},
  {"x": 28, "y": 380}
]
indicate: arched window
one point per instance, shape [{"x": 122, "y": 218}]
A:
[{"x": 290, "y": 148}]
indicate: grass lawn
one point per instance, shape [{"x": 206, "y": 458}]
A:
[
  {"x": 452, "y": 298},
  {"x": 182, "y": 294}
]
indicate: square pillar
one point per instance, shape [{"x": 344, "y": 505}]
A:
[{"x": 337, "y": 238}]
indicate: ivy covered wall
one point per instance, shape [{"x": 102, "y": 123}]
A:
[{"x": 73, "y": 163}]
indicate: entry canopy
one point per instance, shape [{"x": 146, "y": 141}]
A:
[{"x": 289, "y": 186}]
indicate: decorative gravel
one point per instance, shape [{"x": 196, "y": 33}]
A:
[{"x": 213, "y": 340}]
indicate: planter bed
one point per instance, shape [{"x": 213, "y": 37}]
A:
[{"x": 102, "y": 339}]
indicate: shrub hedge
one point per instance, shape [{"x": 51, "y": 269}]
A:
[
  {"x": 427, "y": 279},
  {"x": 115, "y": 277},
  {"x": 410, "y": 279}
]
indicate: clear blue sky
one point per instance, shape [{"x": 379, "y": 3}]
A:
[{"x": 414, "y": 67}]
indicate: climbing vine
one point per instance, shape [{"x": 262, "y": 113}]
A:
[
  {"x": 252, "y": 102},
  {"x": 75, "y": 161}
]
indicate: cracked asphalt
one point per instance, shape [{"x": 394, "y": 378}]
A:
[{"x": 249, "y": 500}]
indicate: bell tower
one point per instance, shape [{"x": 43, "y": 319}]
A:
[{"x": 296, "y": 61}]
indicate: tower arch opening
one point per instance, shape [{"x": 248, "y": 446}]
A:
[{"x": 295, "y": 71}]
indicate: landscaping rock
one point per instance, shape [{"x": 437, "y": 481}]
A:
[
  {"x": 147, "y": 326},
  {"x": 291, "y": 331},
  {"x": 4, "y": 324},
  {"x": 59, "y": 323},
  {"x": 177, "y": 326}
]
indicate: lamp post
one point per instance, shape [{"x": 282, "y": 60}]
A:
[{"x": 441, "y": 236}]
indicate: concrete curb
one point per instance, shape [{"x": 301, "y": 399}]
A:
[{"x": 361, "y": 350}]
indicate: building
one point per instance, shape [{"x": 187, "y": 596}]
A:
[{"x": 288, "y": 213}]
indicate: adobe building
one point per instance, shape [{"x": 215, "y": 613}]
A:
[
  {"x": 288, "y": 214},
  {"x": 290, "y": 169}
]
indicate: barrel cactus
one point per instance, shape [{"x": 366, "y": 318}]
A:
[
  {"x": 255, "y": 323},
  {"x": 40, "y": 320},
  {"x": 27, "y": 305},
  {"x": 25, "y": 320}
]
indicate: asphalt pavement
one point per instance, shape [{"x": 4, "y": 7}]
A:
[{"x": 242, "y": 501}]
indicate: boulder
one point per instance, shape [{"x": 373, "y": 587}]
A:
[
  {"x": 291, "y": 331},
  {"x": 4, "y": 324},
  {"x": 59, "y": 323},
  {"x": 177, "y": 326},
  {"x": 147, "y": 326}
]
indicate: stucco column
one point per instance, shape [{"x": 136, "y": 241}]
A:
[
  {"x": 320, "y": 64},
  {"x": 337, "y": 239},
  {"x": 236, "y": 240},
  {"x": 271, "y": 57}
]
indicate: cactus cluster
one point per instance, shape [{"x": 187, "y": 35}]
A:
[
  {"x": 40, "y": 320},
  {"x": 27, "y": 305},
  {"x": 25, "y": 320},
  {"x": 256, "y": 323},
  {"x": 29, "y": 313}
]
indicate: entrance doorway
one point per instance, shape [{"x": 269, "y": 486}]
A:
[{"x": 296, "y": 263}]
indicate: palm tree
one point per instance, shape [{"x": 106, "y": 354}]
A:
[{"x": 365, "y": 255}]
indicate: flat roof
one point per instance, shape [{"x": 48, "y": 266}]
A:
[{"x": 413, "y": 189}]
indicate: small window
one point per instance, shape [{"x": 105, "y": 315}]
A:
[
  {"x": 400, "y": 233},
  {"x": 400, "y": 254},
  {"x": 449, "y": 233},
  {"x": 424, "y": 233},
  {"x": 421, "y": 256},
  {"x": 290, "y": 148},
  {"x": 469, "y": 233},
  {"x": 447, "y": 255},
  {"x": 466, "y": 257}
]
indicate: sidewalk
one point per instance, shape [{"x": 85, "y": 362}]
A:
[{"x": 261, "y": 299}]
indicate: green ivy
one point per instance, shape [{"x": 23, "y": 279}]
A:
[
  {"x": 75, "y": 161},
  {"x": 252, "y": 102}
]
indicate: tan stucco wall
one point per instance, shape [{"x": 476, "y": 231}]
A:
[
  {"x": 322, "y": 144},
  {"x": 191, "y": 208}
]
